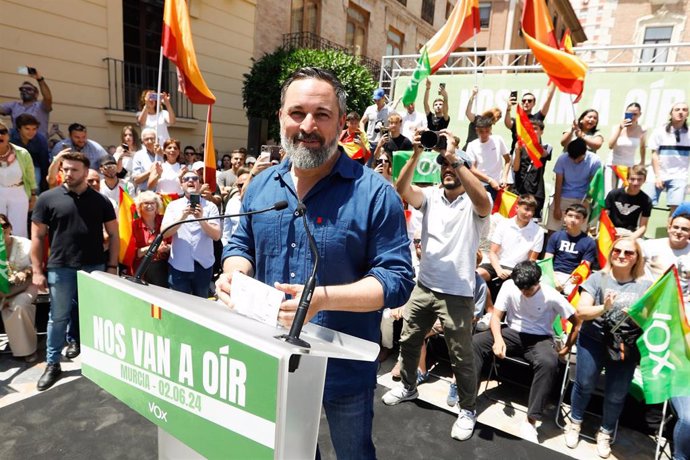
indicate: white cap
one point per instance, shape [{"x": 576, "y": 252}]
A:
[{"x": 198, "y": 165}]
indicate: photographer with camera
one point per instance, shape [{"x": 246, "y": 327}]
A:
[
  {"x": 392, "y": 139},
  {"x": 374, "y": 117}
]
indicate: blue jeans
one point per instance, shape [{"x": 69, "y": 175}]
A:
[
  {"x": 350, "y": 421},
  {"x": 62, "y": 283},
  {"x": 196, "y": 282},
  {"x": 681, "y": 433},
  {"x": 591, "y": 358},
  {"x": 675, "y": 192}
]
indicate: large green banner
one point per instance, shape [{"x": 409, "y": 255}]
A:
[
  {"x": 427, "y": 170},
  {"x": 607, "y": 92},
  {"x": 215, "y": 394}
]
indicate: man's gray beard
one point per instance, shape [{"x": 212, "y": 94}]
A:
[{"x": 305, "y": 158}]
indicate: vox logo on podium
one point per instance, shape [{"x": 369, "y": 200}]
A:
[{"x": 157, "y": 412}]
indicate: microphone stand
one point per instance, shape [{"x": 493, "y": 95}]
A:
[
  {"x": 146, "y": 260},
  {"x": 305, "y": 299}
]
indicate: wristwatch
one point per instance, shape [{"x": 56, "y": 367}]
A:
[{"x": 462, "y": 159}]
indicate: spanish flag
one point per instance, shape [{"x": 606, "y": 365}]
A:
[
  {"x": 622, "y": 173},
  {"x": 179, "y": 48},
  {"x": 581, "y": 273},
  {"x": 606, "y": 237},
  {"x": 126, "y": 213},
  {"x": 209, "y": 154},
  {"x": 505, "y": 204},
  {"x": 565, "y": 70},
  {"x": 462, "y": 24},
  {"x": 528, "y": 138}
]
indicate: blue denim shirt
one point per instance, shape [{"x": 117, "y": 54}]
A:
[{"x": 359, "y": 226}]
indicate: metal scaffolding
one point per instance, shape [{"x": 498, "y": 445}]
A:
[{"x": 665, "y": 57}]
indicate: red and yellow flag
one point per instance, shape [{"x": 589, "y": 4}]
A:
[
  {"x": 179, "y": 48},
  {"x": 581, "y": 273},
  {"x": 622, "y": 173},
  {"x": 462, "y": 24},
  {"x": 606, "y": 237},
  {"x": 156, "y": 312},
  {"x": 565, "y": 70},
  {"x": 209, "y": 154},
  {"x": 126, "y": 213},
  {"x": 528, "y": 138},
  {"x": 505, "y": 204}
]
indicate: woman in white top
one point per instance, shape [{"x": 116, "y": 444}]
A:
[
  {"x": 148, "y": 118},
  {"x": 627, "y": 137},
  {"x": 165, "y": 176}
]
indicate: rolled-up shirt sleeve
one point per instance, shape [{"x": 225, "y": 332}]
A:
[{"x": 389, "y": 245}]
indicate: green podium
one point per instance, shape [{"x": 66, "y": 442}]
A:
[{"x": 217, "y": 384}]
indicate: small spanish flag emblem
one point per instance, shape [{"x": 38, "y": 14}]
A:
[{"x": 156, "y": 311}]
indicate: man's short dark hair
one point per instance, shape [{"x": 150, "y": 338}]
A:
[
  {"x": 319, "y": 74},
  {"x": 188, "y": 148},
  {"x": 26, "y": 119},
  {"x": 76, "y": 127},
  {"x": 576, "y": 148},
  {"x": 578, "y": 208},
  {"x": 526, "y": 274},
  {"x": 77, "y": 156},
  {"x": 483, "y": 122},
  {"x": 683, "y": 215},
  {"x": 638, "y": 170},
  {"x": 538, "y": 124},
  {"x": 528, "y": 200},
  {"x": 352, "y": 116}
]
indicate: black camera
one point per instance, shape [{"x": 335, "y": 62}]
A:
[
  {"x": 380, "y": 128},
  {"x": 432, "y": 140}
]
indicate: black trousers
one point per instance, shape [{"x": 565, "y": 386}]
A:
[{"x": 538, "y": 350}]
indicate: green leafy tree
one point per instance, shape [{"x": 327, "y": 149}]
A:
[{"x": 261, "y": 89}]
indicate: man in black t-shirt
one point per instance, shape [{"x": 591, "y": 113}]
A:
[
  {"x": 528, "y": 102},
  {"x": 74, "y": 215},
  {"x": 527, "y": 177},
  {"x": 437, "y": 119},
  {"x": 393, "y": 140},
  {"x": 629, "y": 207}
]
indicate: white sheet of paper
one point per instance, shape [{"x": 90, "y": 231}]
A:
[{"x": 255, "y": 299}]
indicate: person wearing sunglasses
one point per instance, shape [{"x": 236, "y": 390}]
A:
[
  {"x": 453, "y": 218},
  {"x": 18, "y": 187},
  {"x": 670, "y": 146},
  {"x": 29, "y": 103},
  {"x": 528, "y": 102},
  {"x": 603, "y": 296},
  {"x": 191, "y": 256}
]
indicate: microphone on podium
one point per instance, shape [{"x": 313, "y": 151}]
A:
[
  {"x": 147, "y": 259},
  {"x": 305, "y": 299}
]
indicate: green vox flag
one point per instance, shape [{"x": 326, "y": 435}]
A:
[
  {"x": 664, "y": 346},
  {"x": 597, "y": 194},
  {"x": 427, "y": 170},
  {"x": 4, "y": 268},
  {"x": 548, "y": 277},
  {"x": 422, "y": 71}
]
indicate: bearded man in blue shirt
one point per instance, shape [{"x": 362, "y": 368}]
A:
[{"x": 359, "y": 227}]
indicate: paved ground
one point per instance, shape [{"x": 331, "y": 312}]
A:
[{"x": 415, "y": 430}]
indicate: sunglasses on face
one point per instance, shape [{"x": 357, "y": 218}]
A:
[
  {"x": 3, "y": 131},
  {"x": 5, "y": 225},
  {"x": 417, "y": 241},
  {"x": 528, "y": 100},
  {"x": 626, "y": 253},
  {"x": 190, "y": 179}
]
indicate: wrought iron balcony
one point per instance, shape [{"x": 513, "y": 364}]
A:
[
  {"x": 312, "y": 41},
  {"x": 126, "y": 81}
]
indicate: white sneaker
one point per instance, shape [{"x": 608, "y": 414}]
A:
[
  {"x": 398, "y": 395},
  {"x": 528, "y": 432},
  {"x": 483, "y": 323},
  {"x": 572, "y": 435},
  {"x": 603, "y": 444},
  {"x": 464, "y": 425}
]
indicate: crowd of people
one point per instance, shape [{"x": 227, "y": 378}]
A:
[{"x": 432, "y": 253}]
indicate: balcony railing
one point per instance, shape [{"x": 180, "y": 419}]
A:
[
  {"x": 126, "y": 81},
  {"x": 312, "y": 41}
]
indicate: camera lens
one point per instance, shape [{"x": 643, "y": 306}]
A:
[{"x": 429, "y": 139}]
